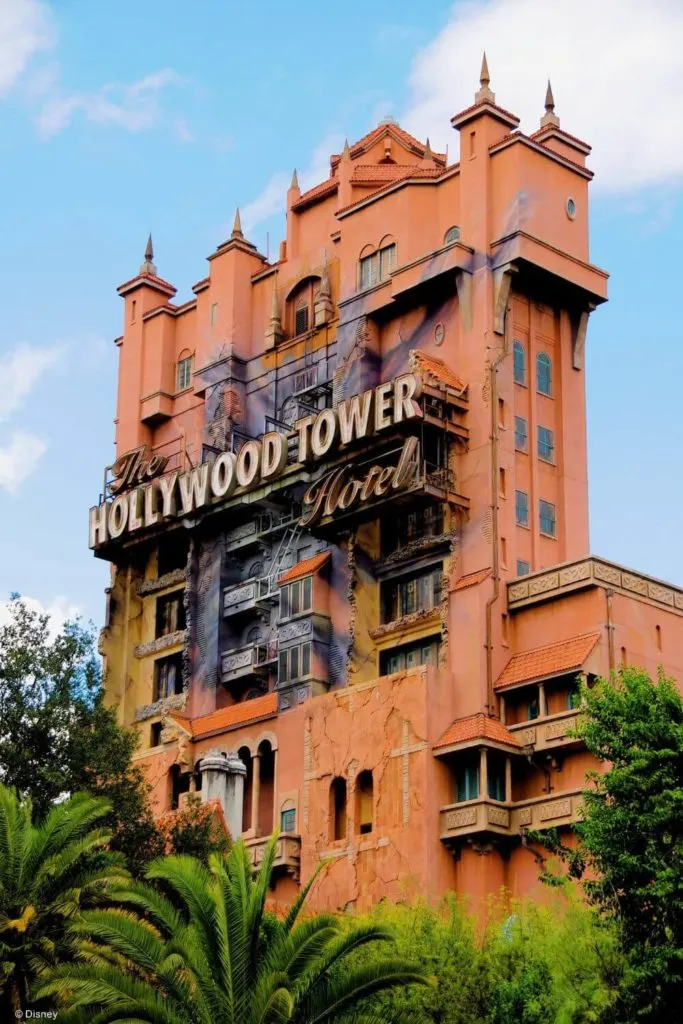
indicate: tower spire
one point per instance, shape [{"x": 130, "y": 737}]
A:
[
  {"x": 295, "y": 180},
  {"x": 550, "y": 118},
  {"x": 484, "y": 93},
  {"x": 148, "y": 266},
  {"x": 237, "y": 225},
  {"x": 346, "y": 152}
]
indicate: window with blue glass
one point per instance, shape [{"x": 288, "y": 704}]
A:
[
  {"x": 546, "y": 444},
  {"x": 522, "y": 508},
  {"x": 523, "y": 568},
  {"x": 519, "y": 362},
  {"x": 288, "y": 819},
  {"x": 495, "y": 771},
  {"x": 521, "y": 434},
  {"x": 544, "y": 374},
  {"x": 548, "y": 521},
  {"x": 467, "y": 777}
]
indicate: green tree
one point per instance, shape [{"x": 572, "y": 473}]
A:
[
  {"x": 57, "y": 736},
  {"x": 48, "y": 872},
  {"x": 207, "y": 952}
]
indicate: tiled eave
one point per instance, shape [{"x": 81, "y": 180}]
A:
[
  {"x": 550, "y": 584},
  {"x": 394, "y": 186}
]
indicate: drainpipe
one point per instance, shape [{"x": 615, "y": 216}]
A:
[
  {"x": 609, "y": 594},
  {"x": 493, "y": 382}
]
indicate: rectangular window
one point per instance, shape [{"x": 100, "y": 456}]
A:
[
  {"x": 522, "y": 508},
  {"x": 301, "y": 320},
  {"x": 288, "y": 820},
  {"x": 171, "y": 556},
  {"x": 294, "y": 663},
  {"x": 170, "y": 614},
  {"x": 387, "y": 261},
  {"x": 183, "y": 373},
  {"x": 496, "y": 775},
  {"x": 547, "y": 518},
  {"x": 409, "y": 594},
  {"x": 368, "y": 271},
  {"x": 467, "y": 777},
  {"x": 296, "y": 597},
  {"x": 155, "y": 734},
  {"x": 521, "y": 434},
  {"x": 546, "y": 444},
  {"x": 424, "y": 652},
  {"x": 523, "y": 568},
  {"x": 405, "y": 528},
  {"x": 168, "y": 676}
]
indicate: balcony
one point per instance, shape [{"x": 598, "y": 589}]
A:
[
  {"x": 250, "y": 596},
  {"x": 549, "y": 733},
  {"x": 287, "y": 853},
  {"x": 251, "y": 660},
  {"x": 485, "y": 818}
]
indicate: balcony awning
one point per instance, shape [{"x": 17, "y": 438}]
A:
[
  {"x": 308, "y": 567},
  {"x": 465, "y": 732},
  {"x": 551, "y": 660}
]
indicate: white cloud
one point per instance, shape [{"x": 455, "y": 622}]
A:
[
  {"x": 134, "y": 107},
  {"x": 19, "y": 456},
  {"x": 272, "y": 199},
  {"x": 20, "y": 371},
  {"x": 25, "y": 29},
  {"x": 615, "y": 67},
  {"x": 60, "y": 610}
]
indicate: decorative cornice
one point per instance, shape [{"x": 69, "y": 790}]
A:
[
  {"x": 592, "y": 572},
  {"x": 170, "y": 579},
  {"x": 162, "y": 643},
  {"x": 406, "y": 624}
]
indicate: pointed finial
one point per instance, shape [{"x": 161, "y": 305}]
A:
[
  {"x": 295, "y": 180},
  {"x": 549, "y": 99},
  {"x": 550, "y": 117},
  {"x": 484, "y": 76},
  {"x": 148, "y": 264},
  {"x": 346, "y": 152},
  {"x": 237, "y": 225},
  {"x": 484, "y": 93}
]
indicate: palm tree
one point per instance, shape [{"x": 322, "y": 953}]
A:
[
  {"x": 48, "y": 871},
  {"x": 207, "y": 953}
]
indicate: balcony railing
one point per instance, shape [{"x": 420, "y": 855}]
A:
[
  {"x": 550, "y": 732},
  {"x": 248, "y": 595},
  {"x": 252, "y": 659},
  {"x": 287, "y": 853},
  {"x": 490, "y": 817}
]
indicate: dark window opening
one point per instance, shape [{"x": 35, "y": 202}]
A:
[
  {"x": 364, "y": 802},
  {"x": 301, "y": 320},
  {"x": 168, "y": 676},
  {"x": 467, "y": 777},
  {"x": 495, "y": 773},
  {"x": 171, "y": 555},
  {"x": 170, "y": 614},
  {"x": 180, "y": 783},
  {"x": 409, "y": 594},
  {"x": 338, "y": 809},
  {"x": 155, "y": 734},
  {"x": 404, "y": 528}
]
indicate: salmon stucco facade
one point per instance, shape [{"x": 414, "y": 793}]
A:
[{"x": 352, "y": 589}]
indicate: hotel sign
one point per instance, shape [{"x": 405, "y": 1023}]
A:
[{"x": 143, "y": 498}]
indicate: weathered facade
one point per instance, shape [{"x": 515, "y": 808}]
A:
[{"x": 348, "y": 522}]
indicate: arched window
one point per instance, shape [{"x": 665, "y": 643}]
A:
[
  {"x": 338, "y": 809},
  {"x": 183, "y": 371},
  {"x": 245, "y": 756},
  {"x": 544, "y": 374},
  {"x": 267, "y": 787},
  {"x": 299, "y": 310},
  {"x": 288, "y": 817},
  {"x": 364, "y": 802},
  {"x": 451, "y": 236},
  {"x": 376, "y": 265},
  {"x": 519, "y": 362}
]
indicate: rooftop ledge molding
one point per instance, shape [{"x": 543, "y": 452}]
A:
[
  {"x": 592, "y": 572},
  {"x": 521, "y": 247}
]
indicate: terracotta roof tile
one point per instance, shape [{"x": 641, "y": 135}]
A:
[
  {"x": 474, "y": 728},
  {"x": 553, "y": 659},
  {"x": 437, "y": 368},
  {"x": 305, "y": 568},
  {"x": 560, "y": 133},
  {"x": 151, "y": 279},
  {"x": 376, "y": 174},
  {"x": 233, "y": 716},
  {"x": 325, "y": 188},
  {"x": 491, "y": 106},
  {"x": 471, "y": 579},
  {"x": 368, "y": 140}
]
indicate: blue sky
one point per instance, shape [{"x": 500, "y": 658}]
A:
[{"x": 121, "y": 118}]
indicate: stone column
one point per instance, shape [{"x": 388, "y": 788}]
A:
[
  {"x": 255, "y": 793},
  {"x": 542, "y": 702},
  {"x": 483, "y": 774},
  {"x": 223, "y": 780}
]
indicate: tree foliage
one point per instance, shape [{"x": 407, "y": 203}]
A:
[
  {"x": 58, "y": 737},
  {"x": 207, "y": 952},
  {"x": 48, "y": 873}
]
